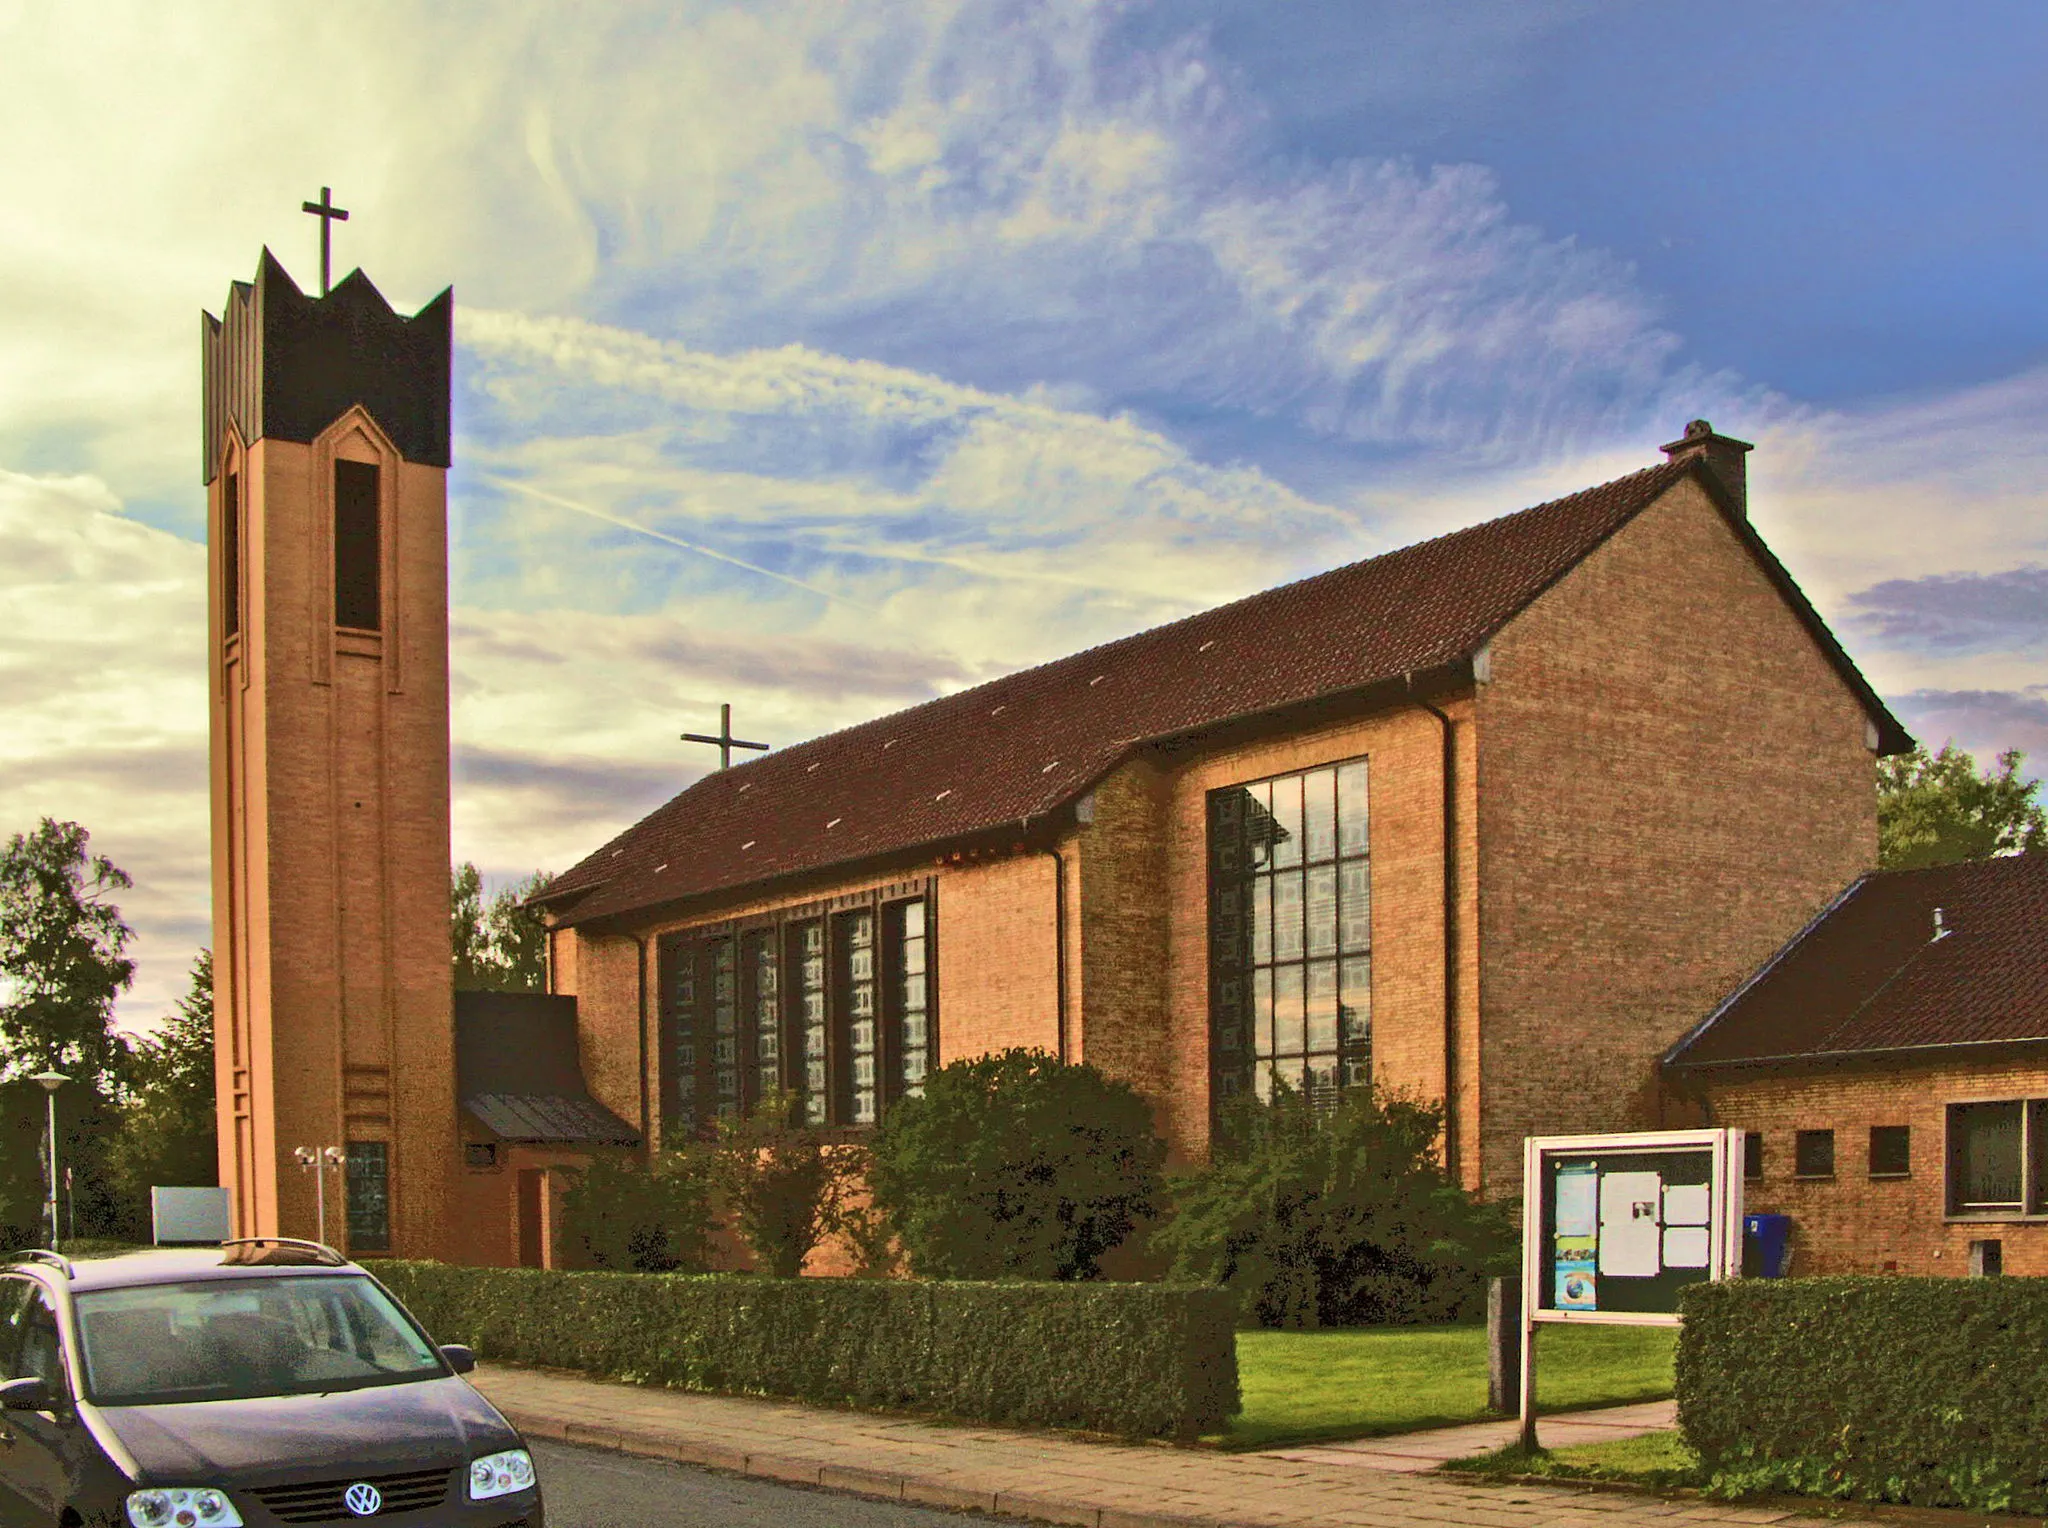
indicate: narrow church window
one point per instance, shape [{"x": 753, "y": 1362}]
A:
[
  {"x": 764, "y": 973},
  {"x": 809, "y": 939},
  {"x": 855, "y": 938},
  {"x": 679, "y": 1117},
  {"x": 357, "y": 568},
  {"x": 725, "y": 1029},
  {"x": 369, "y": 1196},
  {"x": 231, "y": 555},
  {"x": 912, "y": 1047},
  {"x": 1290, "y": 925}
]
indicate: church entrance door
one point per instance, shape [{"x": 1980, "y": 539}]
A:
[{"x": 532, "y": 1190}]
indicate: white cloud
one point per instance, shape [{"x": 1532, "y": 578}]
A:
[{"x": 102, "y": 652}]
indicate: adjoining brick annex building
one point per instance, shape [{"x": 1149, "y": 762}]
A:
[
  {"x": 1493, "y": 819},
  {"x": 1891, "y": 1064}
]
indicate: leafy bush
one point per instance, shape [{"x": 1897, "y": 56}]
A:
[
  {"x": 1016, "y": 1166},
  {"x": 1337, "y": 1217},
  {"x": 785, "y": 1188},
  {"x": 1135, "y": 1359},
  {"x": 1925, "y": 1391},
  {"x": 621, "y": 1215}
]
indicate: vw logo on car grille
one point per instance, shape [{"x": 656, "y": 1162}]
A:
[{"x": 363, "y": 1499}]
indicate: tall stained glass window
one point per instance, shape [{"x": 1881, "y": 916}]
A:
[
  {"x": 725, "y": 1028},
  {"x": 1290, "y": 933},
  {"x": 912, "y": 1047},
  {"x": 764, "y": 997},
  {"x": 856, "y": 939},
  {"x": 809, "y": 940}
]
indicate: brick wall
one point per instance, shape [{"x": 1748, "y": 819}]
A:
[
  {"x": 330, "y": 800},
  {"x": 1673, "y": 779},
  {"x": 1852, "y": 1223}
]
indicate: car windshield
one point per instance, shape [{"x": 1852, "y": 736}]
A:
[{"x": 231, "y": 1339}]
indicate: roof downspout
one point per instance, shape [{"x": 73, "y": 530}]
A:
[
  {"x": 640, "y": 1015},
  {"x": 1059, "y": 946},
  {"x": 1450, "y": 852}
]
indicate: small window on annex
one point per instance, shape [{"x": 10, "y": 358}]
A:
[
  {"x": 1891, "y": 1151},
  {"x": 1290, "y": 934},
  {"x": 835, "y": 1004},
  {"x": 1753, "y": 1155},
  {"x": 1813, "y": 1154},
  {"x": 1998, "y": 1158}
]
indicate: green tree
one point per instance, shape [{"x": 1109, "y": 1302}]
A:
[
  {"x": 1016, "y": 1166},
  {"x": 1935, "y": 809},
  {"x": 63, "y": 961},
  {"x": 62, "y": 953},
  {"x": 166, "y": 1132},
  {"x": 499, "y": 944},
  {"x": 622, "y": 1215},
  {"x": 1335, "y": 1217},
  {"x": 785, "y": 1187}
]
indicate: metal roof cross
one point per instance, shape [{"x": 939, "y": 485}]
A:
[
  {"x": 329, "y": 215},
  {"x": 725, "y": 741}
]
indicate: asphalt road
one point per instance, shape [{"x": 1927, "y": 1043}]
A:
[{"x": 591, "y": 1488}]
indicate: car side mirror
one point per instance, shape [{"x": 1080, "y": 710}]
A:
[
  {"x": 460, "y": 1359},
  {"x": 29, "y": 1394}
]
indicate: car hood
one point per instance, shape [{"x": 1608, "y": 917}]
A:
[{"x": 308, "y": 1437}]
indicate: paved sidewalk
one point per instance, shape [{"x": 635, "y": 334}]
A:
[
  {"x": 1048, "y": 1477},
  {"x": 1415, "y": 1451}
]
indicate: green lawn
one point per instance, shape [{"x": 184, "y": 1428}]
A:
[
  {"x": 1659, "y": 1460},
  {"x": 1300, "y": 1386}
]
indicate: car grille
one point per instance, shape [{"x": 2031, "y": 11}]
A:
[{"x": 321, "y": 1501}]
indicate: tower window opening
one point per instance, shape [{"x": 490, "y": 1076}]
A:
[
  {"x": 231, "y": 554},
  {"x": 357, "y": 563}
]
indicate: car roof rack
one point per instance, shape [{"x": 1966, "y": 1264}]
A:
[
  {"x": 326, "y": 1254},
  {"x": 54, "y": 1259}
]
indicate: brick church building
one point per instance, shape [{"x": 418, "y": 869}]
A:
[{"x": 1492, "y": 819}]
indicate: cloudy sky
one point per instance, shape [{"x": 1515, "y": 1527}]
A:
[{"x": 823, "y": 357}]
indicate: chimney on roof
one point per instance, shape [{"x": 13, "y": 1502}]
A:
[{"x": 1722, "y": 454}]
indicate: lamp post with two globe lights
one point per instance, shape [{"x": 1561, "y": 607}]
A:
[{"x": 318, "y": 1159}]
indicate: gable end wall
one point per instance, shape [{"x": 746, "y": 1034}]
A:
[{"x": 1672, "y": 780}]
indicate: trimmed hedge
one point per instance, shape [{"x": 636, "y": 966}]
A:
[
  {"x": 1927, "y": 1391},
  {"x": 1140, "y": 1360}
]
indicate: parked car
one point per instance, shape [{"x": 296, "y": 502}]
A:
[{"x": 261, "y": 1382}]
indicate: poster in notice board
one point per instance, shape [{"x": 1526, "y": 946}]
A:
[{"x": 1625, "y": 1224}]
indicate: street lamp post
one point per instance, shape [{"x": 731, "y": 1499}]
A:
[{"x": 51, "y": 1082}]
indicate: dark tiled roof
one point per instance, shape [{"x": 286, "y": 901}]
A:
[
  {"x": 1013, "y": 749},
  {"x": 541, "y": 1119},
  {"x": 517, "y": 1071},
  {"x": 1868, "y": 976}
]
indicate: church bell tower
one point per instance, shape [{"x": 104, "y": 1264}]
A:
[{"x": 326, "y": 458}]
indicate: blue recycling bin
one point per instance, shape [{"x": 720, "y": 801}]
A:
[{"x": 1766, "y": 1245}]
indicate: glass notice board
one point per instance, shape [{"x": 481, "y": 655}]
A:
[{"x": 1622, "y": 1223}]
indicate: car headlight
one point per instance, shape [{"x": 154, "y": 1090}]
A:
[
  {"x": 182, "y": 1507},
  {"x": 500, "y": 1474}
]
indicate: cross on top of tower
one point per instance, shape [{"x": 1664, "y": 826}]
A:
[
  {"x": 725, "y": 741},
  {"x": 329, "y": 215}
]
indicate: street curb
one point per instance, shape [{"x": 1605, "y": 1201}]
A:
[{"x": 850, "y": 1480}]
